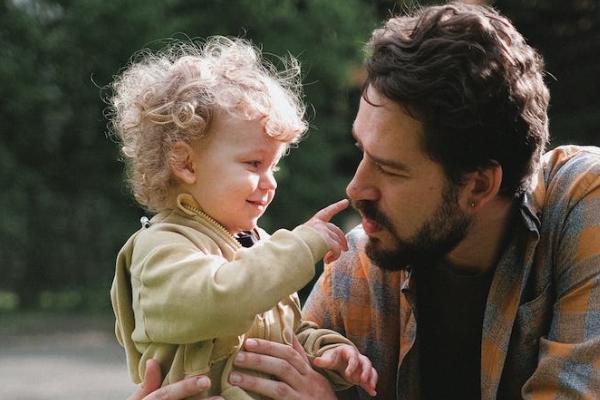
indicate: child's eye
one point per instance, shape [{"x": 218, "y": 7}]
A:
[{"x": 253, "y": 163}]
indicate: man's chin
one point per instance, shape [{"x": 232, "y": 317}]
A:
[
  {"x": 387, "y": 259},
  {"x": 397, "y": 257}
]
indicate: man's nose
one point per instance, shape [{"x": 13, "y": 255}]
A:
[{"x": 363, "y": 185}]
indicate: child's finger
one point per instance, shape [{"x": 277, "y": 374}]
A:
[
  {"x": 366, "y": 373},
  {"x": 340, "y": 236},
  {"x": 374, "y": 378},
  {"x": 333, "y": 235},
  {"x": 328, "y": 212},
  {"x": 327, "y": 360},
  {"x": 366, "y": 367},
  {"x": 363, "y": 369},
  {"x": 352, "y": 364},
  {"x": 356, "y": 375},
  {"x": 329, "y": 257},
  {"x": 368, "y": 389},
  {"x": 368, "y": 379},
  {"x": 333, "y": 255}
]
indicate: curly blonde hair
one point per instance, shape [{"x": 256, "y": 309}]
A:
[{"x": 170, "y": 96}]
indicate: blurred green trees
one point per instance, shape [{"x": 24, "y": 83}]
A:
[{"x": 64, "y": 210}]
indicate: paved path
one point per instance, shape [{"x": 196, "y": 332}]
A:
[{"x": 86, "y": 365}]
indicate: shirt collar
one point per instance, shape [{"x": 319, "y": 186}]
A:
[{"x": 531, "y": 203}]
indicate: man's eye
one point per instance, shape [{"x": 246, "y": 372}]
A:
[
  {"x": 384, "y": 171},
  {"x": 253, "y": 163}
]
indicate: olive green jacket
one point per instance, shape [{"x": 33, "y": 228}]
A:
[{"x": 186, "y": 294}]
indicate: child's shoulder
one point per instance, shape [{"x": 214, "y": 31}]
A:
[{"x": 172, "y": 228}]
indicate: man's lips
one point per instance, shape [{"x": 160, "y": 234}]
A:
[{"x": 370, "y": 227}]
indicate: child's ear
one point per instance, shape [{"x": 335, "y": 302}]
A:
[{"x": 182, "y": 163}]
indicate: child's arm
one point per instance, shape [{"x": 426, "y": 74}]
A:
[
  {"x": 189, "y": 295},
  {"x": 352, "y": 365}
]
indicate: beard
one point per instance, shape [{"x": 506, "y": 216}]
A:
[{"x": 439, "y": 235}]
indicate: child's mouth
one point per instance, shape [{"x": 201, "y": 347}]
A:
[{"x": 258, "y": 204}]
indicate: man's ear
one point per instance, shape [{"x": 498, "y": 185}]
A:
[
  {"x": 182, "y": 163},
  {"x": 482, "y": 186}
]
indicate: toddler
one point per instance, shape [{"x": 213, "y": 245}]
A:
[{"x": 202, "y": 128}]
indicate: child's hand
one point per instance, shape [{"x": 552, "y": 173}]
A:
[
  {"x": 352, "y": 365},
  {"x": 333, "y": 235}
]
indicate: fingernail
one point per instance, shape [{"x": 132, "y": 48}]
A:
[
  {"x": 202, "y": 382},
  {"x": 240, "y": 357},
  {"x": 235, "y": 378},
  {"x": 251, "y": 343},
  {"x": 147, "y": 363}
]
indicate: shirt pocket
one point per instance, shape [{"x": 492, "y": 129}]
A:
[
  {"x": 532, "y": 322},
  {"x": 534, "y": 317}
]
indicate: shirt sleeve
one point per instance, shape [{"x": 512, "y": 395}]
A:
[
  {"x": 187, "y": 296},
  {"x": 320, "y": 310},
  {"x": 320, "y": 306},
  {"x": 569, "y": 357},
  {"x": 316, "y": 341}
]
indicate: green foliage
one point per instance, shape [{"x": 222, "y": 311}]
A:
[
  {"x": 9, "y": 301},
  {"x": 64, "y": 209}
]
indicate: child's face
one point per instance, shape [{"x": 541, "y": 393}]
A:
[{"x": 234, "y": 172}]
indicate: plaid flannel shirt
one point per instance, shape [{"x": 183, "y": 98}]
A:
[{"x": 541, "y": 329}]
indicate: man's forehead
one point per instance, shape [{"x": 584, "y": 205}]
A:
[
  {"x": 387, "y": 133},
  {"x": 386, "y": 118}
]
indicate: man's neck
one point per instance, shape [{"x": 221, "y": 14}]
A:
[{"x": 481, "y": 248}]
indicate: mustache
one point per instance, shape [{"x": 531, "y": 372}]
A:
[{"x": 370, "y": 210}]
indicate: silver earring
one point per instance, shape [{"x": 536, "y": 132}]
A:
[{"x": 473, "y": 204}]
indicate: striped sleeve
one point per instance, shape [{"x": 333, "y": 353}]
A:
[{"x": 569, "y": 357}]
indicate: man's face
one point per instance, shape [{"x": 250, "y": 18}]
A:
[{"x": 409, "y": 210}]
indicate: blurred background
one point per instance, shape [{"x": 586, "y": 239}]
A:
[{"x": 64, "y": 209}]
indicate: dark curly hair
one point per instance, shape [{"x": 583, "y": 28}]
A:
[{"x": 475, "y": 84}]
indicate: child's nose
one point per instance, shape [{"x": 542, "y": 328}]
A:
[{"x": 267, "y": 181}]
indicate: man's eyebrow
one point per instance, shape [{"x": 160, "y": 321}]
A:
[{"x": 397, "y": 165}]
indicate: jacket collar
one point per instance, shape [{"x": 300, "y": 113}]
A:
[
  {"x": 531, "y": 203},
  {"x": 188, "y": 205}
]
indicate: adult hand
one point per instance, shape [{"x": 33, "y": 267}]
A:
[
  {"x": 297, "y": 380},
  {"x": 334, "y": 236},
  {"x": 150, "y": 388}
]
